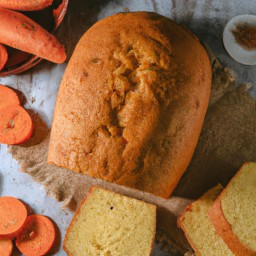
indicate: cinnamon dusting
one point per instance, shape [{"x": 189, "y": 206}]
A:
[{"x": 245, "y": 35}]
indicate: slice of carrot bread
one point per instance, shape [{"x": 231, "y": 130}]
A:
[
  {"x": 233, "y": 213},
  {"x": 111, "y": 224},
  {"x": 198, "y": 228}
]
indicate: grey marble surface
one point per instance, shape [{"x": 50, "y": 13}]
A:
[{"x": 206, "y": 18}]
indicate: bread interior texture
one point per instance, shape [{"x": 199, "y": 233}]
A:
[
  {"x": 239, "y": 205},
  {"x": 111, "y": 224}
]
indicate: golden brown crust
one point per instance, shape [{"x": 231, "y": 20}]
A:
[
  {"x": 180, "y": 224},
  {"x": 224, "y": 229},
  {"x": 153, "y": 240},
  {"x": 132, "y": 103}
]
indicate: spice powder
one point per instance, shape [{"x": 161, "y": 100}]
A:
[{"x": 245, "y": 35}]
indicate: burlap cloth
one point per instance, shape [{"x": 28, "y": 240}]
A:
[{"x": 227, "y": 140}]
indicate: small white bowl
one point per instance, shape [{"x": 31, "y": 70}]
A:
[{"x": 236, "y": 51}]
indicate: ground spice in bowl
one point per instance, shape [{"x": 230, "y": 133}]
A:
[{"x": 245, "y": 36}]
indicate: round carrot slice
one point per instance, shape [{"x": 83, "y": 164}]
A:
[
  {"x": 8, "y": 97},
  {"x": 6, "y": 247},
  {"x": 38, "y": 236},
  {"x": 16, "y": 125},
  {"x": 3, "y": 56},
  {"x": 13, "y": 214}
]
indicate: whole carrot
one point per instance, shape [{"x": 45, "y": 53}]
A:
[
  {"x": 25, "y": 5},
  {"x": 20, "y": 32}
]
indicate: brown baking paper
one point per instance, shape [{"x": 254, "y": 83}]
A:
[{"x": 228, "y": 139}]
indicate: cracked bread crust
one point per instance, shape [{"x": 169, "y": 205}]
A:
[{"x": 132, "y": 102}]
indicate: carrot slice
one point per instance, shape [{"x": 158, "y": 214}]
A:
[
  {"x": 16, "y": 125},
  {"x": 6, "y": 247},
  {"x": 38, "y": 236},
  {"x": 3, "y": 56},
  {"x": 8, "y": 97},
  {"x": 13, "y": 214}
]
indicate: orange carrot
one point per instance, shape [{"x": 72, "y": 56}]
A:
[
  {"x": 37, "y": 237},
  {"x": 20, "y": 32},
  {"x": 3, "y": 56},
  {"x": 8, "y": 97},
  {"x": 13, "y": 215},
  {"x": 6, "y": 247},
  {"x": 25, "y": 5},
  {"x": 16, "y": 125}
]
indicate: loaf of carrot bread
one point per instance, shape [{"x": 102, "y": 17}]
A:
[
  {"x": 132, "y": 102},
  {"x": 111, "y": 224},
  {"x": 233, "y": 213},
  {"x": 198, "y": 228}
]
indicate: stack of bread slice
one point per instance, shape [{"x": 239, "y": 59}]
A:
[{"x": 222, "y": 222}]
